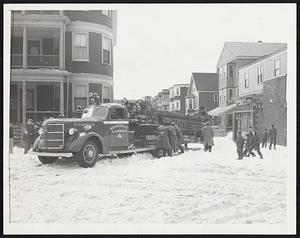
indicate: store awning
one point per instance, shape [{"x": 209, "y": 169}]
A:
[{"x": 221, "y": 110}]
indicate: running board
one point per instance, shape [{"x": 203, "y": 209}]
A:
[{"x": 133, "y": 151}]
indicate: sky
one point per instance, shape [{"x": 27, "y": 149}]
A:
[{"x": 161, "y": 45}]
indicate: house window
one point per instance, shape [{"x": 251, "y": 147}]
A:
[
  {"x": 106, "y": 50},
  {"x": 177, "y": 91},
  {"x": 276, "y": 67},
  {"x": 225, "y": 72},
  {"x": 190, "y": 103},
  {"x": 177, "y": 105},
  {"x": 230, "y": 94},
  {"x": 260, "y": 72},
  {"x": 106, "y": 94},
  {"x": 220, "y": 73},
  {"x": 80, "y": 96},
  {"x": 230, "y": 69},
  {"x": 215, "y": 97},
  {"x": 80, "y": 47},
  {"x": 237, "y": 92},
  {"x": 106, "y": 13},
  {"x": 172, "y": 106},
  {"x": 172, "y": 93},
  {"x": 246, "y": 80}
]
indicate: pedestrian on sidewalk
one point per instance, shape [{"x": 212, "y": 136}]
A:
[
  {"x": 265, "y": 139},
  {"x": 27, "y": 132},
  {"x": 208, "y": 137},
  {"x": 239, "y": 144},
  {"x": 273, "y": 137}
]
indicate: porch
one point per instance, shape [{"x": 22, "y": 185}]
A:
[
  {"x": 40, "y": 99},
  {"x": 37, "y": 47}
]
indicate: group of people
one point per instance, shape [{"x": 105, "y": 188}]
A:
[
  {"x": 29, "y": 131},
  {"x": 169, "y": 140},
  {"x": 246, "y": 147}
]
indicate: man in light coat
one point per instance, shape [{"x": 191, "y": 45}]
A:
[{"x": 208, "y": 137}]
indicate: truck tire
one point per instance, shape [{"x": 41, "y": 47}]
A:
[
  {"x": 159, "y": 153},
  {"x": 88, "y": 154},
  {"x": 47, "y": 159}
]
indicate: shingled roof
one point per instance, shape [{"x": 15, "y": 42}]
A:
[
  {"x": 232, "y": 50},
  {"x": 206, "y": 81}
]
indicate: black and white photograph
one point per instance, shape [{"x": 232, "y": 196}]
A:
[{"x": 149, "y": 118}]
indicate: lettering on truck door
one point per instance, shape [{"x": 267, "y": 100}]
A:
[{"x": 118, "y": 127}]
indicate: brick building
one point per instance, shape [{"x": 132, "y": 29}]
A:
[
  {"x": 262, "y": 95},
  {"x": 178, "y": 93},
  {"x": 57, "y": 59},
  {"x": 203, "y": 90},
  {"x": 233, "y": 56}
]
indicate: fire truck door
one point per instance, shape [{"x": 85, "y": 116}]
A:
[{"x": 118, "y": 128}]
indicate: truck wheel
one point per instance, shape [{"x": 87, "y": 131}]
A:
[
  {"x": 47, "y": 159},
  {"x": 159, "y": 153},
  {"x": 88, "y": 154}
]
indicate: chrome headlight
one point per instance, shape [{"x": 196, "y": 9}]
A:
[{"x": 72, "y": 131}]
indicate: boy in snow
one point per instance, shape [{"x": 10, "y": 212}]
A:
[
  {"x": 240, "y": 144},
  {"x": 27, "y": 135},
  {"x": 256, "y": 144},
  {"x": 273, "y": 137},
  {"x": 265, "y": 138},
  {"x": 249, "y": 145}
]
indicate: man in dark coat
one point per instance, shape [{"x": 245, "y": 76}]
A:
[
  {"x": 249, "y": 145},
  {"x": 162, "y": 141},
  {"x": 239, "y": 144},
  {"x": 208, "y": 137},
  {"x": 256, "y": 144},
  {"x": 180, "y": 138},
  {"x": 265, "y": 138},
  {"x": 273, "y": 137},
  {"x": 27, "y": 135},
  {"x": 35, "y": 132},
  {"x": 172, "y": 137}
]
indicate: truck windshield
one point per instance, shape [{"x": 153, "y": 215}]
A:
[
  {"x": 87, "y": 112},
  {"x": 100, "y": 112}
]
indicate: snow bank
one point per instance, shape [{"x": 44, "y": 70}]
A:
[{"x": 195, "y": 187}]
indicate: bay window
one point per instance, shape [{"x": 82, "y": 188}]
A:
[
  {"x": 106, "y": 50},
  {"x": 80, "y": 47}
]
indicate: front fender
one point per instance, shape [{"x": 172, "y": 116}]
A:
[{"x": 78, "y": 142}]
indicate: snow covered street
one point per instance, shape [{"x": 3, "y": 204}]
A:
[{"x": 195, "y": 187}]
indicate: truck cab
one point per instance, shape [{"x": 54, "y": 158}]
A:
[{"x": 102, "y": 130}]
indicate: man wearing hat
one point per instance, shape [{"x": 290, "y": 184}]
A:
[{"x": 208, "y": 137}]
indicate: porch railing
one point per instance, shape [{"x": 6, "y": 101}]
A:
[
  {"x": 35, "y": 61},
  {"x": 47, "y": 61},
  {"x": 17, "y": 60}
]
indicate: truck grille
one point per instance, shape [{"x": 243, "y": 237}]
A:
[{"x": 54, "y": 137}]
